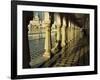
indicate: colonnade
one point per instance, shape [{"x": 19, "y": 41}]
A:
[{"x": 66, "y": 30}]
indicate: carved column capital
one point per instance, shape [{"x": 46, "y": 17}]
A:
[{"x": 57, "y": 19}]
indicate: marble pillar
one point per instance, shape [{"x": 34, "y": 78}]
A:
[
  {"x": 63, "y": 42},
  {"x": 58, "y": 24},
  {"x": 46, "y": 24},
  {"x": 57, "y": 45},
  {"x": 69, "y": 30}
]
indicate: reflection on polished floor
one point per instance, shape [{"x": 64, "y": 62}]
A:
[{"x": 58, "y": 39}]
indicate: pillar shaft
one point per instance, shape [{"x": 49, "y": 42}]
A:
[
  {"x": 47, "y": 39},
  {"x": 63, "y": 43},
  {"x": 57, "y": 46},
  {"x": 46, "y": 24},
  {"x": 58, "y": 24},
  {"x": 69, "y": 31}
]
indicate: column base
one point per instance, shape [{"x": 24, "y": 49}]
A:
[
  {"x": 57, "y": 47},
  {"x": 46, "y": 55},
  {"x": 63, "y": 44}
]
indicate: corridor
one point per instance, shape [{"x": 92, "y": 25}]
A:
[{"x": 58, "y": 39}]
